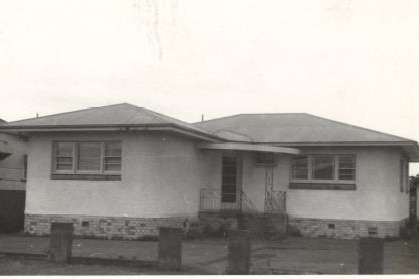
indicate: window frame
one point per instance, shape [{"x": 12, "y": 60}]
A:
[
  {"x": 313, "y": 169},
  {"x": 75, "y": 158},
  {"x": 310, "y": 170}
]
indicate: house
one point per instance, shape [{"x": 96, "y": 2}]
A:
[
  {"x": 12, "y": 181},
  {"x": 121, "y": 171}
]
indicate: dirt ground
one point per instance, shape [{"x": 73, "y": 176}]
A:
[{"x": 290, "y": 256}]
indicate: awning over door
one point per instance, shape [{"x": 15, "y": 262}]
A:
[{"x": 249, "y": 147}]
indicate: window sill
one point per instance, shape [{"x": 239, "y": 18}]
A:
[
  {"x": 322, "y": 186},
  {"x": 90, "y": 177}
]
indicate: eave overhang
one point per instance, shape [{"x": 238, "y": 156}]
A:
[
  {"x": 249, "y": 147},
  {"x": 410, "y": 148},
  {"x": 25, "y": 130}
]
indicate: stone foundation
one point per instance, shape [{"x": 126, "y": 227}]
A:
[
  {"x": 102, "y": 227},
  {"x": 344, "y": 229}
]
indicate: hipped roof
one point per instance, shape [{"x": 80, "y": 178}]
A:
[
  {"x": 279, "y": 129},
  {"x": 302, "y": 129},
  {"x": 119, "y": 116}
]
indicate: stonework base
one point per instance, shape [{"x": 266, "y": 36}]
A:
[
  {"x": 102, "y": 227},
  {"x": 344, "y": 229}
]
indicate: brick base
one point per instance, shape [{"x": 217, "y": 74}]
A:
[
  {"x": 344, "y": 229},
  {"x": 101, "y": 227}
]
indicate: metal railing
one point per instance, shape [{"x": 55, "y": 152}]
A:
[
  {"x": 277, "y": 202},
  {"x": 216, "y": 200}
]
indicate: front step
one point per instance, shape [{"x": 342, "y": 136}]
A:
[{"x": 267, "y": 225}]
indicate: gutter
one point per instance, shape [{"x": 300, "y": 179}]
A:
[{"x": 121, "y": 127}]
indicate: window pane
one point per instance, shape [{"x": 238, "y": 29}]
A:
[
  {"x": 113, "y": 167},
  {"x": 229, "y": 179},
  {"x": 300, "y": 168},
  {"x": 64, "y": 163},
  {"x": 89, "y": 155},
  {"x": 347, "y": 167},
  {"x": 64, "y": 149},
  {"x": 323, "y": 167},
  {"x": 113, "y": 148},
  {"x": 113, "y": 163}
]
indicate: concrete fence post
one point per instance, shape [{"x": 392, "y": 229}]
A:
[
  {"x": 61, "y": 242},
  {"x": 170, "y": 248},
  {"x": 239, "y": 252},
  {"x": 370, "y": 256}
]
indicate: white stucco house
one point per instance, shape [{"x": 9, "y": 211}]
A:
[{"x": 121, "y": 171}]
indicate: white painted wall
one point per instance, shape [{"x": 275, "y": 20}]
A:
[
  {"x": 161, "y": 177},
  {"x": 377, "y": 196}
]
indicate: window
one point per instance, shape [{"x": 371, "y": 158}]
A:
[
  {"x": 95, "y": 157},
  {"x": 346, "y": 167},
  {"x": 324, "y": 168},
  {"x": 300, "y": 168},
  {"x": 89, "y": 155},
  {"x": 112, "y": 156},
  {"x": 64, "y": 156}
]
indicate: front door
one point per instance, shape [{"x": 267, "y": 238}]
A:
[{"x": 230, "y": 182}]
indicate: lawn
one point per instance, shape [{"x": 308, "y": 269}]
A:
[
  {"x": 35, "y": 267},
  {"x": 290, "y": 256}
]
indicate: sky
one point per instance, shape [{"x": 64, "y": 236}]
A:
[{"x": 351, "y": 61}]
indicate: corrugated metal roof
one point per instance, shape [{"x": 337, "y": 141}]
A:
[
  {"x": 114, "y": 115},
  {"x": 293, "y": 128}
]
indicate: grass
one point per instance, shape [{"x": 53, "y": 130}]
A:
[{"x": 34, "y": 267}]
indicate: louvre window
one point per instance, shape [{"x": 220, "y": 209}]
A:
[
  {"x": 347, "y": 168},
  {"x": 323, "y": 168},
  {"x": 94, "y": 157},
  {"x": 300, "y": 168},
  {"x": 64, "y": 156},
  {"x": 113, "y": 156}
]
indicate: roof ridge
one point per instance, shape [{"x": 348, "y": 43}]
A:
[
  {"x": 359, "y": 127},
  {"x": 68, "y": 112},
  {"x": 169, "y": 118},
  {"x": 240, "y": 114},
  {"x": 219, "y": 118}
]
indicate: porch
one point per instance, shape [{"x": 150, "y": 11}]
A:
[{"x": 215, "y": 200}]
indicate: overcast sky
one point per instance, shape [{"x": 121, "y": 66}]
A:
[{"x": 351, "y": 61}]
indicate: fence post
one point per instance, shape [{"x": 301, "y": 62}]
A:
[
  {"x": 370, "y": 256},
  {"x": 170, "y": 248},
  {"x": 61, "y": 241},
  {"x": 239, "y": 252}
]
